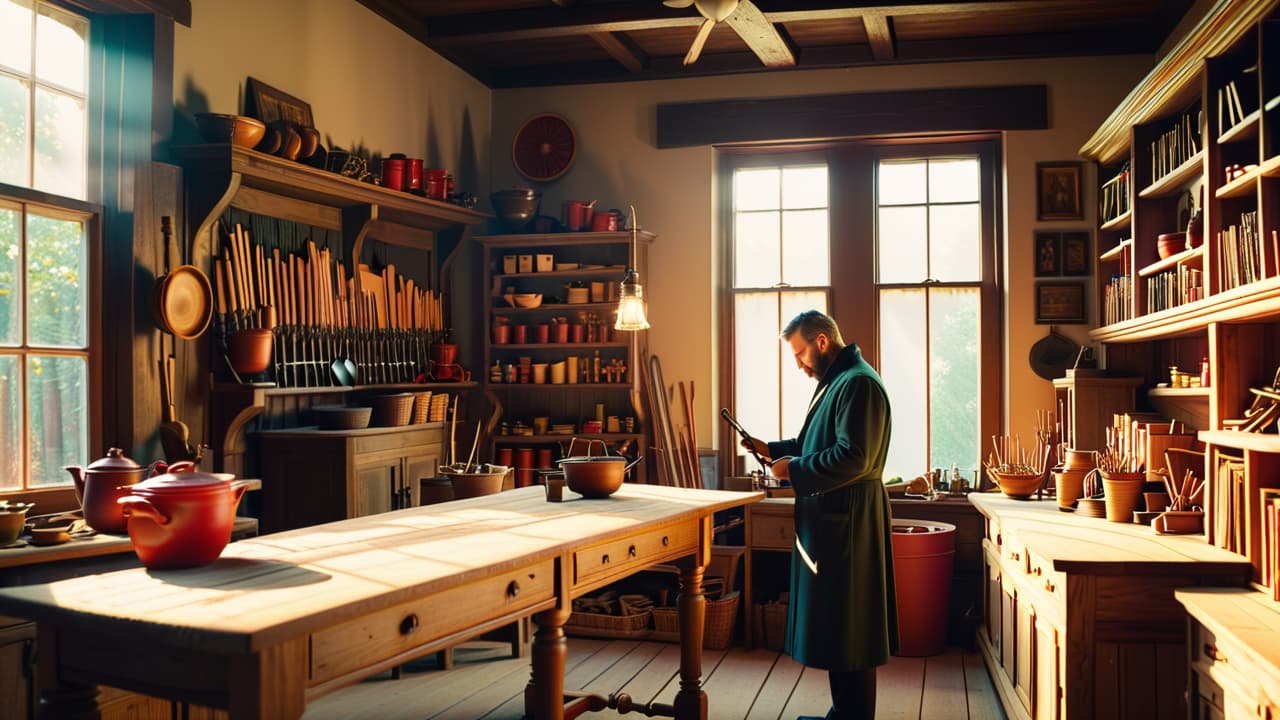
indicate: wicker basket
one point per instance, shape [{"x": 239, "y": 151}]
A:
[
  {"x": 583, "y": 624},
  {"x": 421, "y": 406},
  {"x": 391, "y": 410},
  {"x": 717, "y": 631},
  {"x": 337, "y": 417},
  {"x": 770, "y": 625}
]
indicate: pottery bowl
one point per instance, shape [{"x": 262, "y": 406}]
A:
[
  {"x": 236, "y": 129},
  {"x": 524, "y": 300},
  {"x": 515, "y": 207},
  {"x": 1019, "y": 486},
  {"x": 13, "y": 517},
  {"x": 1170, "y": 244}
]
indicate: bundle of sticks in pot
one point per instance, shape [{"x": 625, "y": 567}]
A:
[
  {"x": 246, "y": 311},
  {"x": 396, "y": 322}
]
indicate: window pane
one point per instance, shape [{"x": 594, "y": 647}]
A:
[
  {"x": 900, "y": 183},
  {"x": 953, "y": 377},
  {"x": 10, "y": 279},
  {"x": 797, "y": 388},
  {"x": 58, "y": 416},
  {"x": 804, "y": 187},
  {"x": 11, "y": 452},
  {"x": 902, "y": 255},
  {"x": 56, "y": 272},
  {"x": 756, "y": 250},
  {"x": 954, "y": 238},
  {"x": 756, "y": 189},
  {"x": 904, "y": 370},
  {"x": 60, "y": 144},
  {"x": 15, "y": 35},
  {"x": 805, "y": 258},
  {"x": 756, "y": 365},
  {"x": 60, "y": 48},
  {"x": 13, "y": 130},
  {"x": 953, "y": 180}
]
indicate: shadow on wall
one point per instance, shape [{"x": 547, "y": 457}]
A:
[
  {"x": 193, "y": 101},
  {"x": 467, "y": 175}
]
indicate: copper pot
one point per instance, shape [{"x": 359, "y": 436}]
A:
[
  {"x": 595, "y": 476},
  {"x": 182, "y": 519},
  {"x": 103, "y": 482}
]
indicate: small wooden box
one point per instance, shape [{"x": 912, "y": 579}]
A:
[
  {"x": 525, "y": 264},
  {"x": 509, "y": 266},
  {"x": 544, "y": 262}
]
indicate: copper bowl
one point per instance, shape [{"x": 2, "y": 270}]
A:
[
  {"x": 1019, "y": 486},
  {"x": 235, "y": 129},
  {"x": 1170, "y": 244}
]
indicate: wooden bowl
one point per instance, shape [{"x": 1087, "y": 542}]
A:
[
  {"x": 338, "y": 417},
  {"x": 1019, "y": 486},
  {"x": 235, "y": 129},
  {"x": 524, "y": 300},
  {"x": 1170, "y": 244}
]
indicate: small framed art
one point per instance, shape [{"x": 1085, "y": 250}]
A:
[
  {"x": 1048, "y": 254},
  {"x": 1058, "y": 191},
  {"x": 1075, "y": 253},
  {"x": 1060, "y": 303}
]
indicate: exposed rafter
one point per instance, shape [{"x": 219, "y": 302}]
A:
[
  {"x": 879, "y": 35},
  {"x": 621, "y": 48}
]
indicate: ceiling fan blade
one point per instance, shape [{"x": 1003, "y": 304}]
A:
[
  {"x": 698, "y": 41},
  {"x": 760, "y": 35},
  {"x": 678, "y": 3}
]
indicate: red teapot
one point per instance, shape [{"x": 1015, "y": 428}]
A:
[
  {"x": 103, "y": 482},
  {"x": 182, "y": 519}
]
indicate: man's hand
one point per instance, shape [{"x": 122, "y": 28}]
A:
[
  {"x": 758, "y": 447},
  {"x": 781, "y": 468}
]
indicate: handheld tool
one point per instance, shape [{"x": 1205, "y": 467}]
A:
[{"x": 728, "y": 417}]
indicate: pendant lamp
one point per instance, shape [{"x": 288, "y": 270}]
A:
[{"x": 631, "y": 295}]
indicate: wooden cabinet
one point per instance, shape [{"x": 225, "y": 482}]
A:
[
  {"x": 314, "y": 476},
  {"x": 17, "y": 667},
  {"x": 1087, "y": 403},
  {"x": 1233, "y": 654},
  {"x": 564, "y": 268},
  {"x": 1081, "y": 620}
]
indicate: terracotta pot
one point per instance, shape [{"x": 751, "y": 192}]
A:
[
  {"x": 250, "y": 350},
  {"x": 105, "y": 481},
  {"x": 182, "y": 519},
  {"x": 595, "y": 476}
]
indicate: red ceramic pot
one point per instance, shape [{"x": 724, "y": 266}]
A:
[
  {"x": 105, "y": 481},
  {"x": 182, "y": 520},
  {"x": 250, "y": 350}
]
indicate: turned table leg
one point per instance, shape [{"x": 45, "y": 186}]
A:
[
  {"x": 691, "y": 701},
  {"x": 544, "y": 695}
]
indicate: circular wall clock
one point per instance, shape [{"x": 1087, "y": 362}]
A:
[{"x": 544, "y": 147}]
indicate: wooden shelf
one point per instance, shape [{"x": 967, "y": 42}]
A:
[
  {"x": 563, "y": 437},
  {"x": 1116, "y": 252},
  {"x": 532, "y": 241},
  {"x": 555, "y": 308},
  {"x": 618, "y": 270},
  {"x": 1179, "y": 392},
  {"x": 1246, "y": 129},
  {"x": 1119, "y": 222},
  {"x": 1172, "y": 182},
  {"x": 1195, "y": 253},
  {"x": 558, "y": 346},
  {"x": 270, "y": 390},
  {"x": 550, "y": 386},
  {"x": 1241, "y": 186},
  {"x": 1259, "y": 442},
  {"x": 1255, "y": 302}
]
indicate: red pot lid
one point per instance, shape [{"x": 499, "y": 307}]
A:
[
  {"x": 184, "y": 482},
  {"x": 115, "y": 460}
]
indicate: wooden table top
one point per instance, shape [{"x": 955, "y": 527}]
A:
[
  {"x": 270, "y": 588},
  {"x": 1245, "y": 616},
  {"x": 1075, "y": 543}
]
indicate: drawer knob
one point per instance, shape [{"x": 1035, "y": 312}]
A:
[
  {"x": 409, "y": 624},
  {"x": 1015, "y": 556},
  {"x": 665, "y": 541},
  {"x": 1036, "y": 571},
  {"x": 1211, "y": 652},
  {"x": 631, "y": 551},
  {"x": 1048, "y": 585},
  {"x": 604, "y": 559},
  {"x": 513, "y": 589},
  {"x": 999, "y": 539}
]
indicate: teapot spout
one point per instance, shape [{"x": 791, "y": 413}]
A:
[{"x": 77, "y": 475}]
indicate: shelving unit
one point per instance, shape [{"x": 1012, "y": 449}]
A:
[
  {"x": 517, "y": 405},
  {"x": 1233, "y": 53}
]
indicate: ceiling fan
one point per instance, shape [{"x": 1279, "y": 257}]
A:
[{"x": 746, "y": 20}]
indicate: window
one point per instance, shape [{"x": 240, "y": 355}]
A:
[
  {"x": 47, "y": 240},
  {"x": 781, "y": 267},
  {"x": 43, "y": 98},
  {"x": 898, "y": 243}
]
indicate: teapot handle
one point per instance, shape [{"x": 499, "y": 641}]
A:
[
  {"x": 182, "y": 466},
  {"x": 131, "y": 505}
]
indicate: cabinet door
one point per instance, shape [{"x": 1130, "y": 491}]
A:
[
  {"x": 1024, "y": 679},
  {"x": 1048, "y": 673},
  {"x": 375, "y": 490},
  {"x": 1008, "y": 627},
  {"x": 992, "y": 599},
  {"x": 17, "y": 682},
  {"x": 417, "y": 467}
]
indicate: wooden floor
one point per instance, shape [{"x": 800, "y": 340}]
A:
[{"x": 754, "y": 685}]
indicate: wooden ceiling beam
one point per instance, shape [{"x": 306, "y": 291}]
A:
[
  {"x": 623, "y": 49},
  {"x": 879, "y": 35},
  {"x": 761, "y": 35}
]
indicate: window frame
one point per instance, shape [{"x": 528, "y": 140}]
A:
[{"x": 851, "y": 187}]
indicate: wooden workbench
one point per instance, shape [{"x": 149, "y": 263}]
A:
[{"x": 283, "y": 618}]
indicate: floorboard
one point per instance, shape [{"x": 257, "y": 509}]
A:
[{"x": 753, "y": 685}]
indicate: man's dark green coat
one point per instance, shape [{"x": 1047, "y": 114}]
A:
[{"x": 844, "y": 615}]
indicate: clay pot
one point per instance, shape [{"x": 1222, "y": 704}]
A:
[
  {"x": 250, "y": 350},
  {"x": 182, "y": 519},
  {"x": 103, "y": 482}
]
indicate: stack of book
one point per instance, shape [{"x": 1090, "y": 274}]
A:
[
  {"x": 1241, "y": 252},
  {"x": 1176, "y": 146},
  {"x": 1229, "y": 527},
  {"x": 1116, "y": 306},
  {"x": 1237, "y": 99},
  {"x": 1271, "y": 540},
  {"x": 1115, "y": 195},
  {"x": 1175, "y": 287}
]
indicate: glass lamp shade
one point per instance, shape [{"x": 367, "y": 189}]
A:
[{"x": 631, "y": 307}]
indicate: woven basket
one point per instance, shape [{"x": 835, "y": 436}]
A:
[
  {"x": 582, "y": 624},
  {"x": 717, "y": 630},
  {"x": 771, "y": 625},
  {"x": 337, "y": 417},
  {"x": 391, "y": 410},
  {"x": 421, "y": 406}
]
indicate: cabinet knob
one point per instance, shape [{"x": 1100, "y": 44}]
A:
[
  {"x": 665, "y": 541},
  {"x": 1211, "y": 652},
  {"x": 1015, "y": 556},
  {"x": 409, "y": 624},
  {"x": 999, "y": 539},
  {"x": 631, "y": 551},
  {"x": 1036, "y": 571},
  {"x": 1048, "y": 585},
  {"x": 513, "y": 589},
  {"x": 604, "y": 559}
]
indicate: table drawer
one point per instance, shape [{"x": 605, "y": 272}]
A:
[
  {"x": 364, "y": 642},
  {"x": 399, "y": 439},
  {"x": 772, "y": 531},
  {"x": 1049, "y": 585},
  {"x": 637, "y": 551}
]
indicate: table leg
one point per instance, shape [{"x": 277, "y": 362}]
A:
[
  {"x": 68, "y": 701},
  {"x": 544, "y": 695},
  {"x": 691, "y": 701}
]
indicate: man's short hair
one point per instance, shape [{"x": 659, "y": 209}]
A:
[{"x": 812, "y": 323}]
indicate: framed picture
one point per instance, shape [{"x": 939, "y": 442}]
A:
[
  {"x": 1048, "y": 254},
  {"x": 1058, "y": 191},
  {"x": 1075, "y": 253},
  {"x": 1060, "y": 303},
  {"x": 268, "y": 104}
]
